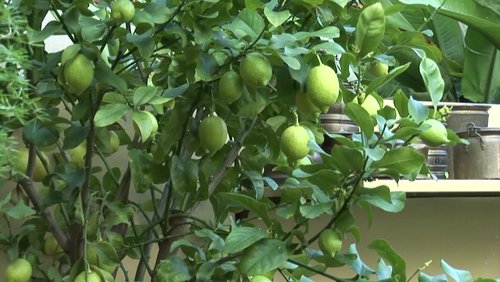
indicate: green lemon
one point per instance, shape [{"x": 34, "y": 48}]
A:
[
  {"x": 305, "y": 106},
  {"x": 114, "y": 141},
  {"x": 330, "y": 242},
  {"x": 123, "y": 10},
  {"x": 51, "y": 247},
  {"x": 377, "y": 68},
  {"x": 77, "y": 154},
  {"x": 212, "y": 133},
  {"x": 78, "y": 73},
  {"x": 260, "y": 278},
  {"x": 433, "y": 133},
  {"x": 293, "y": 142},
  {"x": 322, "y": 86},
  {"x": 92, "y": 276},
  {"x": 371, "y": 105},
  {"x": 256, "y": 70},
  {"x": 230, "y": 87},
  {"x": 18, "y": 271},
  {"x": 21, "y": 164}
]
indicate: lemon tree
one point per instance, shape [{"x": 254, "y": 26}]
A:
[{"x": 168, "y": 140}]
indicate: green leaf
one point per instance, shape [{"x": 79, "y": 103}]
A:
[
  {"x": 423, "y": 277},
  {"x": 404, "y": 160},
  {"x": 19, "y": 211},
  {"x": 347, "y": 160},
  {"x": 144, "y": 94},
  {"x": 93, "y": 32},
  {"x": 153, "y": 12},
  {"x": 184, "y": 175},
  {"x": 141, "y": 165},
  {"x": 263, "y": 256},
  {"x": 457, "y": 274},
  {"x": 122, "y": 213},
  {"x": 329, "y": 32},
  {"x": 103, "y": 74},
  {"x": 242, "y": 237},
  {"x": 257, "y": 182},
  {"x": 50, "y": 29},
  {"x": 248, "y": 203},
  {"x": 40, "y": 134},
  {"x": 276, "y": 18},
  {"x": 292, "y": 62},
  {"x": 401, "y": 103},
  {"x": 481, "y": 82},
  {"x": 382, "y": 198},
  {"x": 417, "y": 110},
  {"x": 314, "y": 211},
  {"x": 173, "y": 269},
  {"x": 449, "y": 36},
  {"x": 392, "y": 257},
  {"x": 109, "y": 114},
  {"x": 144, "y": 42},
  {"x": 248, "y": 23},
  {"x": 146, "y": 123},
  {"x": 205, "y": 67},
  {"x": 433, "y": 80},
  {"x": 384, "y": 271},
  {"x": 361, "y": 117},
  {"x": 330, "y": 48}
]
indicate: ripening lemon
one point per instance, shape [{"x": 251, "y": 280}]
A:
[
  {"x": 92, "y": 276},
  {"x": 371, "y": 105},
  {"x": 212, "y": 133},
  {"x": 260, "y": 278},
  {"x": 255, "y": 70},
  {"x": 78, "y": 74},
  {"x": 293, "y": 142},
  {"x": 434, "y": 133},
  {"x": 21, "y": 164},
  {"x": 305, "y": 106},
  {"x": 230, "y": 87},
  {"x": 18, "y": 271},
  {"x": 51, "y": 247},
  {"x": 322, "y": 86},
  {"x": 377, "y": 68},
  {"x": 330, "y": 242},
  {"x": 123, "y": 10},
  {"x": 77, "y": 154}
]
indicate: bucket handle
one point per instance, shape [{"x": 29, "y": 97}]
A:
[{"x": 472, "y": 129}]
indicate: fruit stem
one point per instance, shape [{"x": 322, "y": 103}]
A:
[
  {"x": 296, "y": 117},
  {"x": 319, "y": 59}
]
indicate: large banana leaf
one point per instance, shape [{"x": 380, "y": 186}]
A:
[
  {"x": 481, "y": 63},
  {"x": 474, "y": 13},
  {"x": 449, "y": 37}
]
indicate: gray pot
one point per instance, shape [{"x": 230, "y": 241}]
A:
[
  {"x": 481, "y": 158},
  {"x": 335, "y": 121}
]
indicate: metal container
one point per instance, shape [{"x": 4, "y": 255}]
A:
[
  {"x": 437, "y": 162},
  {"x": 481, "y": 158},
  {"x": 462, "y": 114},
  {"x": 335, "y": 121}
]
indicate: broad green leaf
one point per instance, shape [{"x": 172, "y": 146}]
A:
[
  {"x": 392, "y": 257},
  {"x": 395, "y": 204},
  {"x": 184, "y": 175},
  {"x": 109, "y": 114},
  {"x": 146, "y": 123},
  {"x": 449, "y": 37},
  {"x": 401, "y": 103},
  {"x": 141, "y": 165},
  {"x": 249, "y": 203},
  {"x": 173, "y": 269},
  {"x": 484, "y": 19},
  {"x": 173, "y": 92},
  {"x": 457, "y": 274},
  {"x": 242, "y": 237},
  {"x": 263, "y": 256},
  {"x": 40, "y": 134},
  {"x": 433, "y": 80},
  {"x": 329, "y": 32},
  {"x": 384, "y": 271},
  {"x": 92, "y": 32},
  {"x": 423, "y": 277},
  {"x": 19, "y": 211},
  {"x": 257, "y": 182},
  {"x": 143, "y": 41},
  {"x": 105, "y": 255},
  {"x": 315, "y": 210},
  {"x": 50, "y": 29},
  {"x": 481, "y": 82},
  {"x": 217, "y": 242},
  {"x": 122, "y": 213},
  {"x": 276, "y": 18},
  {"x": 103, "y": 74},
  {"x": 330, "y": 48},
  {"x": 347, "y": 160},
  {"x": 153, "y": 12},
  {"x": 361, "y": 117},
  {"x": 381, "y": 81},
  {"x": 74, "y": 136},
  {"x": 417, "y": 110},
  {"x": 248, "y": 23},
  {"x": 206, "y": 66},
  {"x": 292, "y": 62},
  {"x": 404, "y": 160},
  {"x": 144, "y": 94}
]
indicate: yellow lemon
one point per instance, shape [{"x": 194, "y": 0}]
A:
[
  {"x": 78, "y": 74},
  {"x": 322, "y": 86},
  {"x": 433, "y": 133},
  {"x": 330, "y": 242},
  {"x": 256, "y": 70},
  {"x": 293, "y": 142}
]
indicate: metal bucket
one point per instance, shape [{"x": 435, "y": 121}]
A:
[
  {"x": 481, "y": 158},
  {"x": 335, "y": 121},
  {"x": 437, "y": 162}
]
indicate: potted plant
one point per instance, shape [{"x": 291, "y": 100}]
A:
[{"x": 158, "y": 120}]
